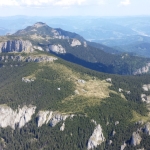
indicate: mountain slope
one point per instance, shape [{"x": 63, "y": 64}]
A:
[
  {"x": 82, "y": 103},
  {"x": 74, "y": 48}
]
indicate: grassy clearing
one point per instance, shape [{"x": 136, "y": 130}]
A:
[{"x": 137, "y": 117}]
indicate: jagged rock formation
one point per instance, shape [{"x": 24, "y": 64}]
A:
[
  {"x": 39, "y": 24},
  {"x": 38, "y": 47},
  {"x": 147, "y": 128},
  {"x": 26, "y": 80},
  {"x": 13, "y": 118},
  {"x": 146, "y": 87},
  {"x": 57, "y": 49},
  {"x": 123, "y": 146},
  {"x": 75, "y": 42},
  {"x": 29, "y": 58},
  {"x": 45, "y": 117},
  {"x": 97, "y": 138},
  {"x": 142, "y": 70},
  {"x": 16, "y": 46},
  {"x": 135, "y": 139},
  {"x": 145, "y": 98},
  {"x": 108, "y": 79},
  {"x": 62, "y": 128}
]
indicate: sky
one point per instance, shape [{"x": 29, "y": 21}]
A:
[{"x": 74, "y": 7}]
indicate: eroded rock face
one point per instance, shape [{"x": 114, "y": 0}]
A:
[
  {"x": 146, "y": 87},
  {"x": 50, "y": 117},
  {"x": 142, "y": 70},
  {"x": 13, "y": 118},
  {"x": 145, "y": 98},
  {"x": 37, "y": 58},
  {"x": 147, "y": 128},
  {"x": 62, "y": 128},
  {"x": 16, "y": 46},
  {"x": 136, "y": 139},
  {"x": 123, "y": 146},
  {"x": 57, "y": 49},
  {"x": 75, "y": 42},
  {"x": 97, "y": 138}
]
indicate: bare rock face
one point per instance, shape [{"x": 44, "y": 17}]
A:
[
  {"x": 136, "y": 139},
  {"x": 75, "y": 42},
  {"x": 44, "y": 117},
  {"x": 96, "y": 139},
  {"x": 50, "y": 117},
  {"x": 62, "y": 128},
  {"x": 37, "y": 58},
  {"x": 147, "y": 128},
  {"x": 16, "y": 46},
  {"x": 108, "y": 79},
  {"x": 57, "y": 49},
  {"x": 123, "y": 146},
  {"x": 146, "y": 87},
  {"x": 13, "y": 118},
  {"x": 145, "y": 98},
  {"x": 142, "y": 70}
]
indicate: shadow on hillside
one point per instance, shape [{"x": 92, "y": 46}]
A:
[{"x": 94, "y": 66}]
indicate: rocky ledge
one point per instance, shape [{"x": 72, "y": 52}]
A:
[
  {"x": 16, "y": 46},
  {"x": 15, "y": 118}
]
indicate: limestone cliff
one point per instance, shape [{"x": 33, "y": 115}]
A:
[
  {"x": 75, "y": 42},
  {"x": 144, "y": 69},
  {"x": 13, "y": 118},
  {"x": 97, "y": 138},
  {"x": 57, "y": 49},
  {"x": 53, "y": 118},
  {"x": 16, "y": 46},
  {"x": 136, "y": 139}
]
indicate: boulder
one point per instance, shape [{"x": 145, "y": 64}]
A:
[{"x": 96, "y": 139}]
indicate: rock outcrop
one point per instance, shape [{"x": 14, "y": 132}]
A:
[
  {"x": 62, "y": 128},
  {"x": 145, "y": 98},
  {"x": 123, "y": 146},
  {"x": 40, "y": 58},
  {"x": 16, "y": 46},
  {"x": 147, "y": 128},
  {"x": 75, "y": 42},
  {"x": 38, "y": 48},
  {"x": 97, "y": 138},
  {"x": 50, "y": 117},
  {"x": 135, "y": 139},
  {"x": 108, "y": 79},
  {"x": 57, "y": 49},
  {"x": 26, "y": 80},
  {"x": 142, "y": 70},
  {"x": 146, "y": 87},
  {"x": 15, "y": 118}
]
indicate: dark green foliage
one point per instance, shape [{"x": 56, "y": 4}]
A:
[{"x": 44, "y": 94}]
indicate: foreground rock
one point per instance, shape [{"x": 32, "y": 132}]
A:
[
  {"x": 15, "y": 118},
  {"x": 16, "y": 46},
  {"x": 96, "y": 139},
  {"x": 136, "y": 139}
]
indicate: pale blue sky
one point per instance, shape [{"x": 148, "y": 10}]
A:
[{"x": 74, "y": 7}]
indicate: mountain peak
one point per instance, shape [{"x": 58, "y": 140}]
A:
[{"x": 39, "y": 24}]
